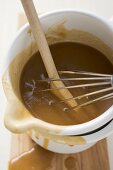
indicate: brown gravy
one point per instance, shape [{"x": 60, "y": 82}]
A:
[
  {"x": 35, "y": 159},
  {"x": 38, "y": 158},
  {"x": 67, "y": 56}
]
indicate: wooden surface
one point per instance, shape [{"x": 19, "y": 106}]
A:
[{"x": 95, "y": 158}]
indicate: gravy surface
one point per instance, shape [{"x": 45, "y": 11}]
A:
[{"x": 67, "y": 56}]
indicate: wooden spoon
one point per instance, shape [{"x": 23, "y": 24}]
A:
[{"x": 45, "y": 51}]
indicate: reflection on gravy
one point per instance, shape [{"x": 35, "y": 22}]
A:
[{"x": 67, "y": 56}]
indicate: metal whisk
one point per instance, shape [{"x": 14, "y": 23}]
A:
[{"x": 83, "y": 79}]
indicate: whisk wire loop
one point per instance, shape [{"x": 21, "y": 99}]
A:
[{"x": 83, "y": 79}]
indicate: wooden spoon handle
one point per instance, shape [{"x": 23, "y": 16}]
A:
[
  {"x": 40, "y": 38},
  {"x": 45, "y": 51}
]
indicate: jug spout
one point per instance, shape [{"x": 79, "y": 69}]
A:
[{"x": 17, "y": 118}]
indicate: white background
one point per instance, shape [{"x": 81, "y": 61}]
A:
[{"x": 9, "y": 12}]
